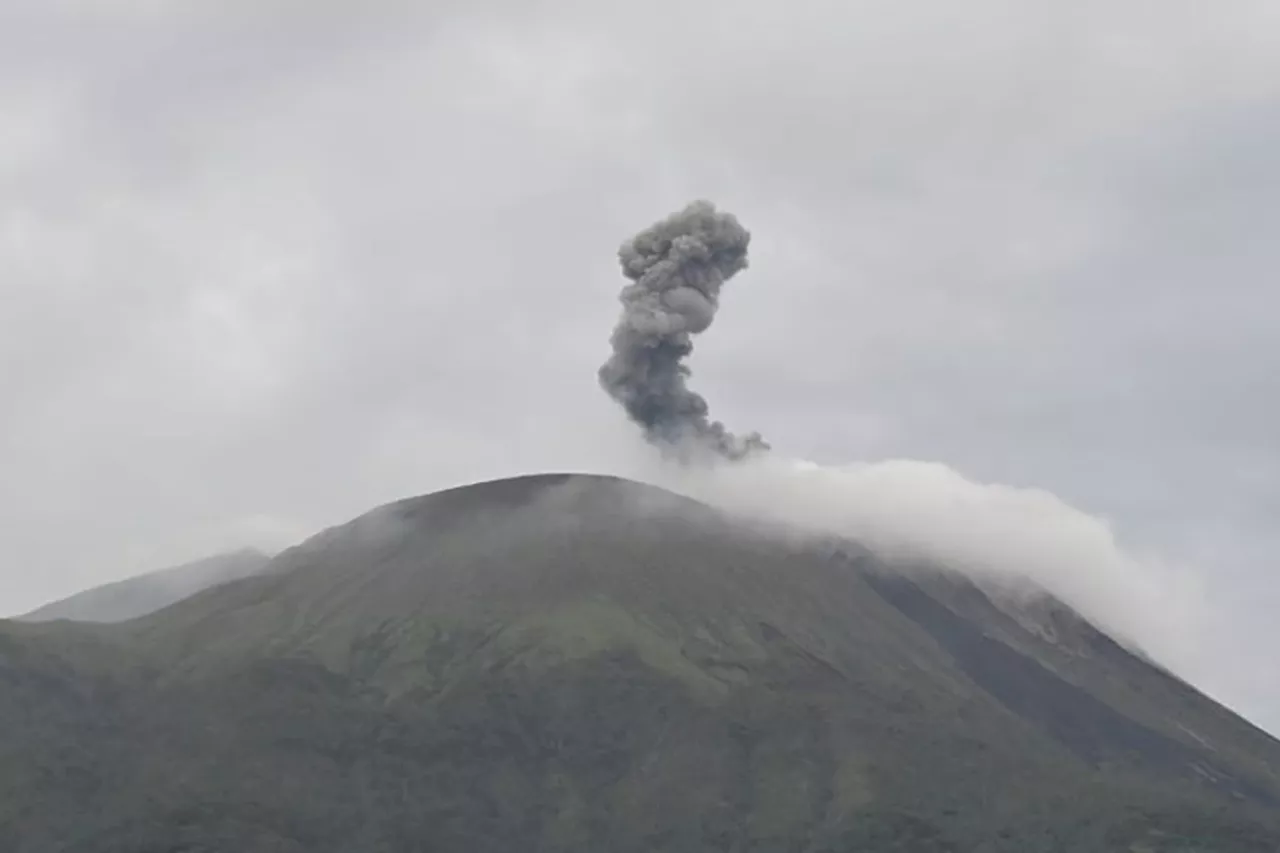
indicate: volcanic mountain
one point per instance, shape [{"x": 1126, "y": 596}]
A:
[{"x": 580, "y": 663}]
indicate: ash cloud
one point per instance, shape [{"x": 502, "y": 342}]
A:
[
  {"x": 1017, "y": 541},
  {"x": 677, "y": 268}
]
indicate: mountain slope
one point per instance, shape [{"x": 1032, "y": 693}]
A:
[
  {"x": 571, "y": 663},
  {"x": 137, "y": 596}
]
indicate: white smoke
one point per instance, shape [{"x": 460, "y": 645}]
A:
[{"x": 994, "y": 533}]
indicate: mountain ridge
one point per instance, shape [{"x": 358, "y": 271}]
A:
[{"x": 141, "y": 594}]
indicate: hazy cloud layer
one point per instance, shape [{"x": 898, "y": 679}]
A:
[
  {"x": 914, "y": 512},
  {"x": 264, "y": 266}
]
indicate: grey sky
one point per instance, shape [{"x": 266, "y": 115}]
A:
[{"x": 264, "y": 265}]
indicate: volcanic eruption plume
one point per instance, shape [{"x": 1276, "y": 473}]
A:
[
  {"x": 676, "y": 267},
  {"x": 913, "y": 513}
]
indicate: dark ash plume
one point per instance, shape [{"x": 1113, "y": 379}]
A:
[{"x": 677, "y": 268}]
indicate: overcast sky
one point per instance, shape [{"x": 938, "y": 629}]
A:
[{"x": 265, "y": 265}]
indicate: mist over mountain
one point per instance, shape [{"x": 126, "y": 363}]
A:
[
  {"x": 581, "y": 663},
  {"x": 137, "y": 596}
]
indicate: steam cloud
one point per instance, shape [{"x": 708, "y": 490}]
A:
[
  {"x": 1001, "y": 536},
  {"x": 677, "y": 267}
]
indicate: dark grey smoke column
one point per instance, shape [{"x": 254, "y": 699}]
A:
[{"x": 677, "y": 268}]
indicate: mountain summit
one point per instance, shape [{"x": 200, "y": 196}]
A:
[{"x": 581, "y": 663}]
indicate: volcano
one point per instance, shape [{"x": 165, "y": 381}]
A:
[{"x": 583, "y": 663}]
